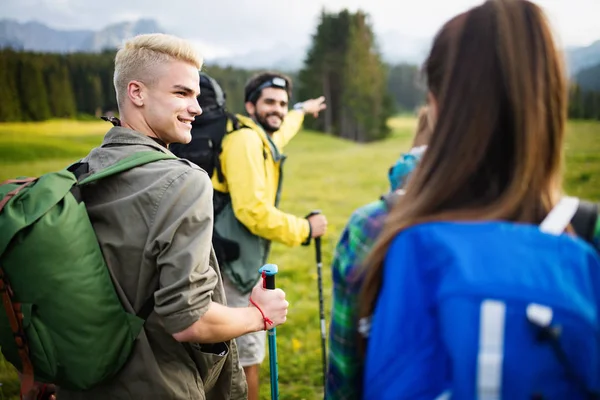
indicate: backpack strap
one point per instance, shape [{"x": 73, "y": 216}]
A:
[
  {"x": 237, "y": 125},
  {"x": 235, "y": 122},
  {"x": 134, "y": 160},
  {"x": 15, "y": 320},
  {"x": 560, "y": 216},
  {"x": 491, "y": 349},
  {"x": 23, "y": 184},
  {"x": 581, "y": 214}
]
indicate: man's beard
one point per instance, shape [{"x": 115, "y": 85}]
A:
[{"x": 263, "y": 121}]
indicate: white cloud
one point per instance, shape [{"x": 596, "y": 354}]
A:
[
  {"x": 210, "y": 52},
  {"x": 238, "y": 26}
]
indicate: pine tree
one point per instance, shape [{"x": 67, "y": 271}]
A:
[
  {"x": 343, "y": 64},
  {"x": 10, "y": 103},
  {"x": 31, "y": 86},
  {"x": 60, "y": 92},
  {"x": 403, "y": 84},
  {"x": 589, "y": 105},
  {"x": 575, "y": 102},
  {"x": 364, "y": 94}
]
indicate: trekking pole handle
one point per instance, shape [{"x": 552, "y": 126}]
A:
[
  {"x": 317, "y": 239},
  {"x": 268, "y": 271},
  {"x": 318, "y": 249}
]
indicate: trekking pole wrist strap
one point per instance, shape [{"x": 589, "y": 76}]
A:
[
  {"x": 307, "y": 241},
  {"x": 310, "y": 214},
  {"x": 266, "y": 320}
]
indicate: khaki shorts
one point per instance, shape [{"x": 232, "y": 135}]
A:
[{"x": 251, "y": 347}]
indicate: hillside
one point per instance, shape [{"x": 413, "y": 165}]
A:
[
  {"x": 589, "y": 78},
  {"x": 322, "y": 172},
  {"x": 35, "y": 36}
]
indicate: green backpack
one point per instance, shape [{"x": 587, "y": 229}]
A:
[{"x": 64, "y": 323}]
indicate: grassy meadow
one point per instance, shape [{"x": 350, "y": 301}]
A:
[{"x": 321, "y": 172}]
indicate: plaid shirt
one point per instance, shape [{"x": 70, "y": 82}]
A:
[{"x": 344, "y": 376}]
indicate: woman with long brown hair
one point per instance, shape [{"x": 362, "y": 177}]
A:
[{"x": 491, "y": 174}]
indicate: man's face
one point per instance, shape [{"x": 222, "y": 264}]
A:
[
  {"x": 270, "y": 109},
  {"x": 170, "y": 102}
]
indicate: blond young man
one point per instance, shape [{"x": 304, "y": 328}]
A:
[{"x": 154, "y": 224}]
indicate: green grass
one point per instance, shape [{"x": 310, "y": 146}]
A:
[
  {"x": 582, "y": 174},
  {"x": 321, "y": 172}
]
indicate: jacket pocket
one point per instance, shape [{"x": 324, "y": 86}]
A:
[{"x": 210, "y": 360}]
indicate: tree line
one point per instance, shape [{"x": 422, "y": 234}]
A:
[
  {"x": 37, "y": 87},
  {"x": 584, "y": 104},
  {"x": 342, "y": 63}
]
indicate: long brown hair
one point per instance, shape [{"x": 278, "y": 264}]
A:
[{"x": 496, "y": 149}]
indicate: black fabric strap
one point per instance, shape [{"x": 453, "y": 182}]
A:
[
  {"x": 79, "y": 169},
  {"x": 235, "y": 123},
  {"x": 584, "y": 220},
  {"x": 147, "y": 308}
]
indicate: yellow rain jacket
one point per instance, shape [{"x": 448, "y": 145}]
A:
[{"x": 246, "y": 202}]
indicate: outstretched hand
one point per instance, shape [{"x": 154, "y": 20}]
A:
[{"x": 314, "y": 106}]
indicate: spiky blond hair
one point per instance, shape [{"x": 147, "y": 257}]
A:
[{"x": 140, "y": 56}]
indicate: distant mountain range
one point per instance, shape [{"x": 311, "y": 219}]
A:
[
  {"x": 589, "y": 78},
  {"x": 581, "y": 58},
  {"x": 35, "y": 36},
  {"x": 395, "y": 48}
]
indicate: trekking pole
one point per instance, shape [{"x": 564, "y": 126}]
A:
[
  {"x": 268, "y": 272},
  {"x": 321, "y": 308}
]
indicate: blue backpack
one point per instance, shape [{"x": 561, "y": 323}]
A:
[{"x": 487, "y": 310}]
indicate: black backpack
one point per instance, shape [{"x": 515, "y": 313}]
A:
[{"x": 208, "y": 129}]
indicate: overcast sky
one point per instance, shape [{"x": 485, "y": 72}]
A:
[{"x": 223, "y": 27}]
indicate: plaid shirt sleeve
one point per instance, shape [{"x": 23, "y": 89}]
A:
[{"x": 344, "y": 376}]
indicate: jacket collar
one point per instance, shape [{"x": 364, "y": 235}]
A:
[
  {"x": 248, "y": 122},
  {"x": 119, "y": 135}
]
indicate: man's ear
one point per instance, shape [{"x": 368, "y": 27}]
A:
[
  {"x": 250, "y": 108},
  {"x": 136, "y": 92}
]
